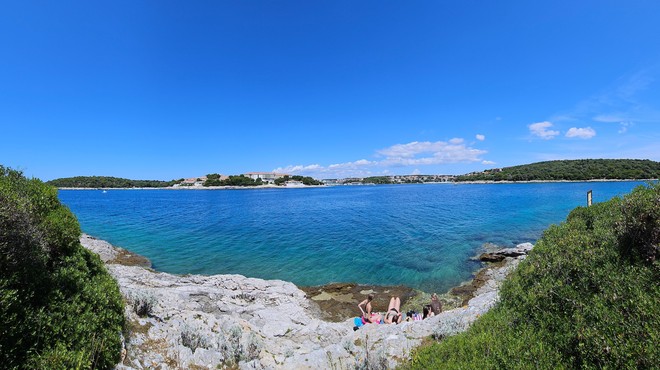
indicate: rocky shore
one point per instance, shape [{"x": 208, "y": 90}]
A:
[{"x": 209, "y": 322}]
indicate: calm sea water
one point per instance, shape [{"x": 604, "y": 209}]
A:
[{"x": 418, "y": 235}]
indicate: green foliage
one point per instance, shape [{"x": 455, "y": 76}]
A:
[
  {"x": 573, "y": 170},
  {"x": 586, "y": 297},
  {"x": 305, "y": 180},
  {"x": 241, "y": 180},
  {"x": 639, "y": 229},
  {"x": 59, "y": 308},
  {"x": 377, "y": 180},
  {"x": 282, "y": 180},
  {"x": 108, "y": 182},
  {"x": 213, "y": 179}
]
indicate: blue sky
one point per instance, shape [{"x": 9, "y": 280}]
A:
[{"x": 163, "y": 90}]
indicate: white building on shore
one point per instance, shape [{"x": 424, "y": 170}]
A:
[
  {"x": 194, "y": 181},
  {"x": 267, "y": 177}
]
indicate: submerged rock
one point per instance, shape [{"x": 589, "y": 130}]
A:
[{"x": 196, "y": 321}]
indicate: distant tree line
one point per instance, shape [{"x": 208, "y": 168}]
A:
[
  {"x": 109, "y": 182},
  {"x": 242, "y": 180},
  {"x": 379, "y": 180},
  {"x": 405, "y": 179},
  {"x": 573, "y": 170},
  {"x": 213, "y": 179},
  {"x": 306, "y": 180}
]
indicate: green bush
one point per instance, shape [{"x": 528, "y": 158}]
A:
[
  {"x": 59, "y": 308},
  {"x": 586, "y": 297},
  {"x": 639, "y": 229}
]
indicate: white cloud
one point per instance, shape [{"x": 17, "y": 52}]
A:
[
  {"x": 487, "y": 162},
  {"x": 624, "y": 127},
  {"x": 610, "y": 118},
  {"x": 411, "y": 154},
  {"x": 481, "y": 137},
  {"x": 626, "y": 100},
  {"x": 350, "y": 165},
  {"x": 428, "y": 153},
  {"x": 414, "y": 148},
  {"x": 621, "y": 119},
  {"x": 582, "y": 133},
  {"x": 541, "y": 129},
  {"x": 298, "y": 168}
]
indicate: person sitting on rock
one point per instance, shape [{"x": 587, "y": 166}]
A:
[
  {"x": 436, "y": 305},
  {"x": 427, "y": 312},
  {"x": 393, "y": 315},
  {"x": 366, "y": 311}
]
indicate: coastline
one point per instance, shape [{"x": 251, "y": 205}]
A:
[
  {"x": 208, "y": 187},
  {"x": 326, "y": 186},
  {"x": 550, "y": 181},
  {"x": 274, "y": 323}
]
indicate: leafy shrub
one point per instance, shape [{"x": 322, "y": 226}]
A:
[
  {"x": 59, "y": 308},
  {"x": 586, "y": 297},
  {"x": 639, "y": 229}
]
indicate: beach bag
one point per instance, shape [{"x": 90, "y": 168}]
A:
[{"x": 358, "y": 323}]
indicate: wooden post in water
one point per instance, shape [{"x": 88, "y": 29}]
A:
[{"x": 589, "y": 197}]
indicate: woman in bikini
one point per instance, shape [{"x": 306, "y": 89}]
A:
[
  {"x": 366, "y": 311},
  {"x": 393, "y": 315}
]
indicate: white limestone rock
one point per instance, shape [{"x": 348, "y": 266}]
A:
[{"x": 262, "y": 324}]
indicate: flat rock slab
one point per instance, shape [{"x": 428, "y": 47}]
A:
[
  {"x": 233, "y": 321},
  {"x": 113, "y": 255}
]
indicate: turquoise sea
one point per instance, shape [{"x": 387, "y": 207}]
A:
[{"x": 421, "y": 236}]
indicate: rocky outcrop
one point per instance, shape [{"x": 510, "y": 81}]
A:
[
  {"x": 500, "y": 254},
  {"x": 214, "y": 321}
]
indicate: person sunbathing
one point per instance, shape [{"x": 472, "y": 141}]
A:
[{"x": 393, "y": 315}]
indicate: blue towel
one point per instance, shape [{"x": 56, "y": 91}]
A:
[{"x": 358, "y": 321}]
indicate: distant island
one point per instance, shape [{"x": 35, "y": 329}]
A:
[
  {"x": 108, "y": 182},
  {"x": 571, "y": 170},
  {"x": 560, "y": 170},
  {"x": 253, "y": 179}
]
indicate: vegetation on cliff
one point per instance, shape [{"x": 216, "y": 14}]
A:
[
  {"x": 586, "y": 297},
  {"x": 108, "y": 182},
  {"x": 59, "y": 308},
  {"x": 573, "y": 170}
]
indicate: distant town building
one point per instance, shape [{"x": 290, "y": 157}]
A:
[
  {"x": 394, "y": 179},
  {"x": 294, "y": 184},
  {"x": 267, "y": 177},
  {"x": 194, "y": 181},
  {"x": 332, "y": 181}
]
